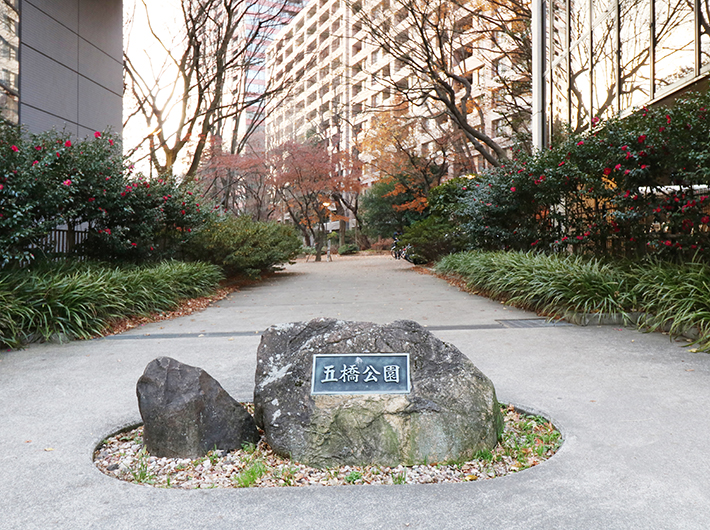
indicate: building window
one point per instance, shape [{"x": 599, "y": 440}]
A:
[
  {"x": 605, "y": 57},
  {"x": 9, "y": 61}
]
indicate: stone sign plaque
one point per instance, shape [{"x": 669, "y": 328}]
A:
[{"x": 361, "y": 373}]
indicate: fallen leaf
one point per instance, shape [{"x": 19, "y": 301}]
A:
[{"x": 49, "y": 449}]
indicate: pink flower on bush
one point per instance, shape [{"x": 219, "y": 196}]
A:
[
  {"x": 67, "y": 182},
  {"x": 35, "y": 162},
  {"x": 668, "y": 119},
  {"x": 97, "y": 134},
  {"x": 668, "y": 243},
  {"x": 67, "y": 143},
  {"x": 110, "y": 141},
  {"x": 1, "y": 187},
  {"x": 512, "y": 189},
  {"x": 38, "y": 148},
  {"x": 15, "y": 148},
  {"x": 581, "y": 142}
]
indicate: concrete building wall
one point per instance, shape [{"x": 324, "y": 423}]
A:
[{"x": 71, "y": 65}]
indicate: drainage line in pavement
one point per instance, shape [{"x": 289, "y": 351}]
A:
[{"x": 499, "y": 324}]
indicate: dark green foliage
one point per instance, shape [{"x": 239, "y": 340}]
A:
[
  {"x": 350, "y": 248},
  {"x": 635, "y": 186},
  {"x": 242, "y": 246},
  {"x": 51, "y": 179},
  {"x": 384, "y": 211},
  {"x": 434, "y": 237},
  {"x": 149, "y": 219},
  {"x": 670, "y": 296},
  {"x": 78, "y": 300}
]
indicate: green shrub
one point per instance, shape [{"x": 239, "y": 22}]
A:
[
  {"x": 345, "y": 250},
  {"x": 49, "y": 179},
  {"x": 633, "y": 186},
  {"x": 382, "y": 210},
  {"x": 434, "y": 237},
  {"x": 242, "y": 246}
]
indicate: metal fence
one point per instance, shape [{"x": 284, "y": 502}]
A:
[{"x": 57, "y": 242}]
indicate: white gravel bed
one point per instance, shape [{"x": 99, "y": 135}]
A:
[{"x": 525, "y": 443}]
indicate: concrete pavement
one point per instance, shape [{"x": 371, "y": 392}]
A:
[{"x": 633, "y": 409}]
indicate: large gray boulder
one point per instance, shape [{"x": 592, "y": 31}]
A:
[
  {"x": 450, "y": 414},
  {"x": 187, "y": 413}
]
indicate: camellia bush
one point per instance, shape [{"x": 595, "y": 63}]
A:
[
  {"x": 51, "y": 179},
  {"x": 633, "y": 186}
]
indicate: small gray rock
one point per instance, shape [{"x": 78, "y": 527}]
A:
[
  {"x": 187, "y": 413},
  {"x": 450, "y": 414}
]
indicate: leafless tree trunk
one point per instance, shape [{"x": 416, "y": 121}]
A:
[{"x": 194, "y": 93}]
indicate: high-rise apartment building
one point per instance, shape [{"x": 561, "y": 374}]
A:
[
  {"x": 263, "y": 20},
  {"x": 340, "y": 79}
]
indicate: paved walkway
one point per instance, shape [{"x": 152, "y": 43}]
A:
[{"x": 633, "y": 409}]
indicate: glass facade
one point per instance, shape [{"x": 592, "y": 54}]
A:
[
  {"x": 606, "y": 56},
  {"x": 9, "y": 61}
]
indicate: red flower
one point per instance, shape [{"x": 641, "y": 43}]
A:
[
  {"x": 15, "y": 148},
  {"x": 67, "y": 182},
  {"x": 581, "y": 142},
  {"x": 668, "y": 119},
  {"x": 1, "y": 187},
  {"x": 607, "y": 171},
  {"x": 668, "y": 243},
  {"x": 511, "y": 189},
  {"x": 642, "y": 138},
  {"x": 97, "y": 134},
  {"x": 183, "y": 212},
  {"x": 38, "y": 148},
  {"x": 617, "y": 167},
  {"x": 110, "y": 141},
  {"x": 92, "y": 199},
  {"x": 705, "y": 219},
  {"x": 560, "y": 164},
  {"x": 67, "y": 143},
  {"x": 134, "y": 244},
  {"x": 661, "y": 129},
  {"x": 35, "y": 162}
]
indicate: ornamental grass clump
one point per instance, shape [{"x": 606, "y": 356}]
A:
[
  {"x": 79, "y": 300},
  {"x": 675, "y": 298},
  {"x": 547, "y": 283}
]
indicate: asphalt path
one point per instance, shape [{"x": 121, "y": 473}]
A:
[{"x": 633, "y": 409}]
